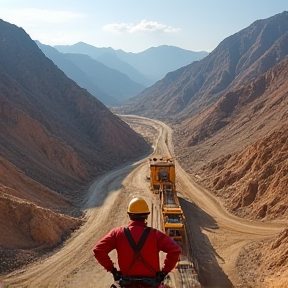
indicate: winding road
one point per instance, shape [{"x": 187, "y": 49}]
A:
[{"x": 216, "y": 236}]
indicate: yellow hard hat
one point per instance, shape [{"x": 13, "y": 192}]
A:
[{"x": 138, "y": 206}]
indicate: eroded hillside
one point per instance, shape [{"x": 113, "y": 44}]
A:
[
  {"x": 239, "y": 150},
  {"x": 55, "y": 138},
  {"x": 240, "y": 147}
]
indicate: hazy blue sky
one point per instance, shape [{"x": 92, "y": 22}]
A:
[{"x": 136, "y": 25}]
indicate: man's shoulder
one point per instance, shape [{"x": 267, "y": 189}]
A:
[
  {"x": 117, "y": 230},
  {"x": 157, "y": 231}
]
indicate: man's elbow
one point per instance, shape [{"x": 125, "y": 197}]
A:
[{"x": 97, "y": 253}]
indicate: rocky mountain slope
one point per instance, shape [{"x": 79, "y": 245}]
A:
[
  {"x": 238, "y": 149},
  {"x": 55, "y": 138},
  {"x": 240, "y": 146},
  {"x": 236, "y": 61}
]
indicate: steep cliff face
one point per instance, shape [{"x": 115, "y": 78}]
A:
[{"x": 55, "y": 138}]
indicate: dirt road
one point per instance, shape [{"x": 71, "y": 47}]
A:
[{"x": 216, "y": 236}]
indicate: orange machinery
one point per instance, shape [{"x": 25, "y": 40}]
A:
[{"x": 162, "y": 182}]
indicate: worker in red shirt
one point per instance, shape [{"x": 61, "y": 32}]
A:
[{"x": 138, "y": 248}]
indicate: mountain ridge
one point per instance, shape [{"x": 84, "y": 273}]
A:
[
  {"x": 76, "y": 74},
  {"x": 192, "y": 88},
  {"x": 148, "y": 62}
]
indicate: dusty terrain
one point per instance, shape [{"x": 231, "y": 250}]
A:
[{"x": 231, "y": 252}]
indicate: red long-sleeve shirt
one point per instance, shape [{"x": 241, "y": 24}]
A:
[{"x": 155, "y": 242}]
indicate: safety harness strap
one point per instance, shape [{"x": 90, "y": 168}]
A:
[
  {"x": 127, "y": 281},
  {"x": 136, "y": 247}
]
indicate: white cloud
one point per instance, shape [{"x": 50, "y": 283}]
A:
[
  {"x": 143, "y": 26},
  {"x": 118, "y": 28},
  {"x": 31, "y": 16},
  {"x": 151, "y": 26}
]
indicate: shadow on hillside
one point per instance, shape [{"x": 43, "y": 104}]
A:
[{"x": 210, "y": 273}]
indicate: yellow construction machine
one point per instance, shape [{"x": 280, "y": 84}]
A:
[{"x": 162, "y": 182}]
